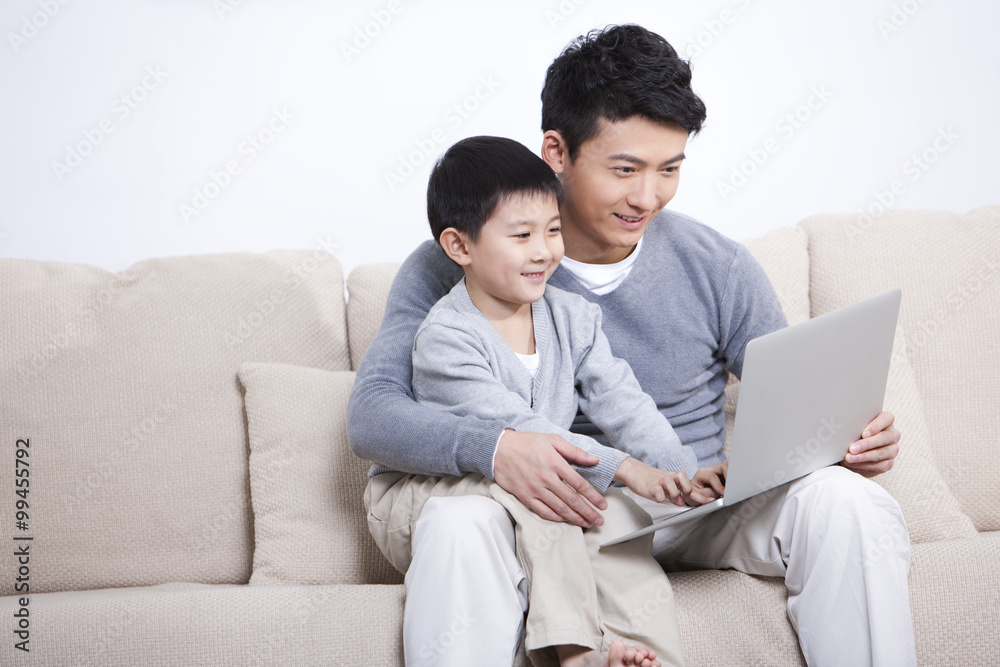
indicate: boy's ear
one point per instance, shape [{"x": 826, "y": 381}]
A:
[
  {"x": 554, "y": 150},
  {"x": 455, "y": 245}
]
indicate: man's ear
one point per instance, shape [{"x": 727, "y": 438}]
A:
[
  {"x": 554, "y": 151},
  {"x": 456, "y": 245}
]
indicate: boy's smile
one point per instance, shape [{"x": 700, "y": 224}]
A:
[{"x": 617, "y": 184}]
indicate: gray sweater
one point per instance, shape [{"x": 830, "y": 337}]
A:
[
  {"x": 462, "y": 365},
  {"x": 681, "y": 319}
]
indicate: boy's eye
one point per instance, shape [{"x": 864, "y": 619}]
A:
[
  {"x": 522, "y": 235},
  {"x": 555, "y": 230}
]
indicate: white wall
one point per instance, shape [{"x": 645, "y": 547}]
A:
[{"x": 201, "y": 77}]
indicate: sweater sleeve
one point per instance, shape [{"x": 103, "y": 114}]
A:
[
  {"x": 748, "y": 309},
  {"x": 613, "y": 400},
  {"x": 451, "y": 371},
  {"x": 384, "y": 423}
]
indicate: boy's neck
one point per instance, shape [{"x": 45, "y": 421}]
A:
[{"x": 512, "y": 321}]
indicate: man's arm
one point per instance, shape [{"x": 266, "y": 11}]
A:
[
  {"x": 387, "y": 426},
  {"x": 381, "y": 407},
  {"x": 750, "y": 309}
]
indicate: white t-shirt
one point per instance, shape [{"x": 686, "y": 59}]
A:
[
  {"x": 530, "y": 362},
  {"x": 602, "y": 278}
]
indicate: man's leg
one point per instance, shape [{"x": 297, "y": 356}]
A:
[
  {"x": 465, "y": 591},
  {"x": 841, "y": 544}
]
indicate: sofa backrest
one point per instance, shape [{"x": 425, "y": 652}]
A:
[
  {"x": 948, "y": 266},
  {"x": 125, "y": 387}
]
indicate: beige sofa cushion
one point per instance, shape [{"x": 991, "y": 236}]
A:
[
  {"x": 783, "y": 256},
  {"x": 950, "y": 314},
  {"x": 211, "y": 626},
  {"x": 368, "y": 290},
  {"x": 125, "y": 384},
  {"x": 305, "y": 484}
]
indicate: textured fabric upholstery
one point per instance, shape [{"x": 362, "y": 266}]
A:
[
  {"x": 368, "y": 287},
  {"x": 126, "y": 389},
  {"x": 948, "y": 267},
  {"x": 306, "y": 485},
  {"x": 955, "y": 601},
  {"x": 197, "y": 625}
]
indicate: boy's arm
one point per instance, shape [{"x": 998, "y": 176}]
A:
[
  {"x": 613, "y": 400},
  {"x": 451, "y": 372},
  {"x": 386, "y": 425}
]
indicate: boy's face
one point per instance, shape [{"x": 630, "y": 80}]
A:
[
  {"x": 619, "y": 181},
  {"x": 517, "y": 250}
]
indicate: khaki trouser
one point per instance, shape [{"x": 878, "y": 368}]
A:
[{"x": 578, "y": 594}]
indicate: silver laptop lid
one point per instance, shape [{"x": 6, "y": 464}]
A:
[{"x": 807, "y": 393}]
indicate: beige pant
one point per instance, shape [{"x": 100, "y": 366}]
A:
[{"x": 578, "y": 594}]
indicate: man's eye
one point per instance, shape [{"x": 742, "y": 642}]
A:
[
  {"x": 672, "y": 170},
  {"x": 625, "y": 170}
]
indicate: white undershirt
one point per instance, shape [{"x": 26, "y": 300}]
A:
[
  {"x": 602, "y": 278},
  {"x": 599, "y": 279},
  {"x": 530, "y": 362}
]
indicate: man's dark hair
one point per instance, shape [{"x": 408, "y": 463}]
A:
[
  {"x": 475, "y": 175},
  {"x": 617, "y": 73}
]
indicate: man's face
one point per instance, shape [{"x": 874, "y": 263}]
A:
[
  {"x": 619, "y": 181},
  {"x": 517, "y": 250}
]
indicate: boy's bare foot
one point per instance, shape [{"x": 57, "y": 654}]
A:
[{"x": 619, "y": 655}]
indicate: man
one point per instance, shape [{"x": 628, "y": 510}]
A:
[{"x": 680, "y": 302}]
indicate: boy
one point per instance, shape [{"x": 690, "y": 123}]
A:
[
  {"x": 617, "y": 109},
  {"x": 501, "y": 345}
]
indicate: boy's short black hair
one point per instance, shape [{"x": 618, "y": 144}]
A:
[
  {"x": 617, "y": 73},
  {"x": 475, "y": 175}
]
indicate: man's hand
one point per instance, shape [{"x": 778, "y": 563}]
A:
[
  {"x": 653, "y": 483},
  {"x": 535, "y": 468},
  {"x": 709, "y": 483},
  {"x": 876, "y": 451}
]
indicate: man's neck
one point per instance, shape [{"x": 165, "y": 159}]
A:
[{"x": 588, "y": 250}]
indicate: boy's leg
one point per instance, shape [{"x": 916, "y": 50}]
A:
[
  {"x": 635, "y": 599},
  {"x": 841, "y": 544},
  {"x": 562, "y": 595},
  {"x": 465, "y": 592}
]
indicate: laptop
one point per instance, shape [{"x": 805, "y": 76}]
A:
[{"x": 806, "y": 393}]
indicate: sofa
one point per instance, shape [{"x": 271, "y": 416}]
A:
[{"x": 178, "y": 487}]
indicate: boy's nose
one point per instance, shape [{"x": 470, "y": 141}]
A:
[{"x": 541, "y": 252}]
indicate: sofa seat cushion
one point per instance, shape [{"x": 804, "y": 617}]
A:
[
  {"x": 211, "y": 625},
  {"x": 955, "y": 601},
  {"x": 125, "y": 386},
  {"x": 950, "y": 315},
  {"x": 306, "y": 486}
]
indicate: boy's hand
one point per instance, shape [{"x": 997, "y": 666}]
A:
[
  {"x": 709, "y": 483},
  {"x": 652, "y": 483}
]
